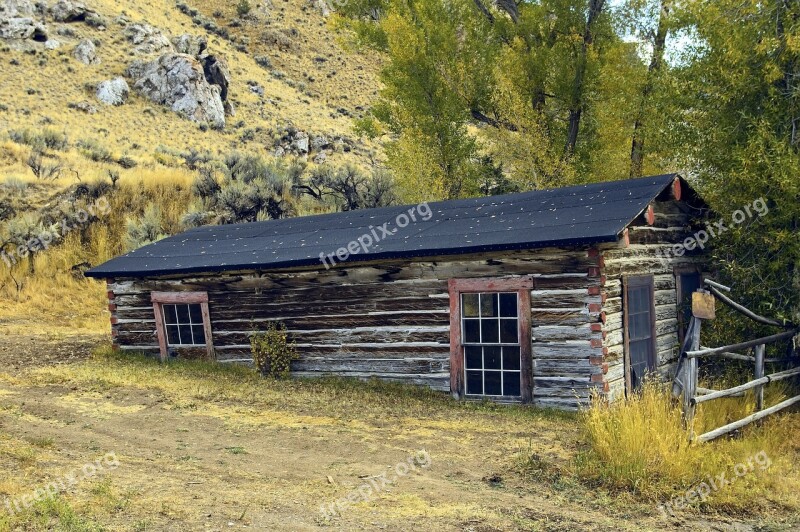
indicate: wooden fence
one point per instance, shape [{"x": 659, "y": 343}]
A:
[{"x": 685, "y": 383}]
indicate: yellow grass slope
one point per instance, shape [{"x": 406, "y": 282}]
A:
[{"x": 307, "y": 84}]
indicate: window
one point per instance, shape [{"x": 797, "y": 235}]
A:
[
  {"x": 182, "y": 321},
  {"x": 490, "y": 338},
  {"x": 184, "y": 324},
  {"x": 640, "y": 338}
]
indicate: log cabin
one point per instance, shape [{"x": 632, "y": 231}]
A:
[{"x": 549, "y": 297}]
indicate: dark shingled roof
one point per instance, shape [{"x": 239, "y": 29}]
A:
[{"x": 576, "y": 215}]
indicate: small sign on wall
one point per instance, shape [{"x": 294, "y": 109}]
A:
[{"x": 703, "y": 305}]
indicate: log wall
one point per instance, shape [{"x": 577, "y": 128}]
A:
[
  {"x": 650, "y": 250},
  {"x": 390, "y": 319}
]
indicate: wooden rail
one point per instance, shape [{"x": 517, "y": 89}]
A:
[{"x": 686, "y": 380}]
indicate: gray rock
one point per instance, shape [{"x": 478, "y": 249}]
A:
[
  {"x": 178, "y": 81},
  {"x": 113, "y": 91},
  {"x": 193, "y": 45},
  {"x": 52, "y": 44},
  {"x": 319, "y": 142},
  {"x": 22, "y": 28},
  {"x": 257, "y": 89},
  {"x": 84, "y": 107},
  {"x": 146, "y": 39},
  {"x": 86, "y": 53},
  {"x": 67, "y": 11},
  {"x": 321, "y": 157},
  {"x": 17, "y": 9},
  {"x": 301, "y": 142}
]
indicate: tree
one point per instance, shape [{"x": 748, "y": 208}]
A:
[{"x": 735, "y": 127}]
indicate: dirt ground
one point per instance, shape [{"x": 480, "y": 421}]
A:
[{"x": 216, "y": 465}]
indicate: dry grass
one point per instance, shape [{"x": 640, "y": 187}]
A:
[
  {"x": 639, "y": 446},
  {"x": 39, "y": 87}
]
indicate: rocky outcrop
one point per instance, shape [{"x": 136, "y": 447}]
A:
[
  {"x": 178, "y": 81},
  {"x": 113, "y": 91},
  {"x": 146, "y": 39},
  {"x": 21, "y": 28},
  {"x": 67, "y": 11},
  {"x": 86, "y": 53},
  {"x": 193, "y": 45},
  {"x": 17, "y": 9},
  {"x": 18, "y": 21}
]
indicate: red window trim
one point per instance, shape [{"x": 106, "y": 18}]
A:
[
  {"x": 522, "y": 286},
  {"x": 170, "y": 298}
]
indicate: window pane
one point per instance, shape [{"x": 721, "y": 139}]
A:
[
  {"x": 509, "y": 331},
  {"x": 490, "y": 332},
  {"x": 491, "y": 357},
  {"x": 492, "y": 383},
  {"x": 186, "y": 333},
  {"x": 475, "y": 382},
  {"x": 511, "y": 358},
  {"x": 508, "y": 305},
  {"x": 488, "y": 305},
  {"x": 196, "y": 313},
  {"x": 469, "y": 305},
  {"x": 472, "y": 331},
  {"x": 183, "y": 313},
  {"x": 169, "y": 314},
  {"x": 473, "y": 358},
  {"x": 198, "y": 335},
  {"x": 172, "y": 335},
  {"x": 511, "y": 383}
]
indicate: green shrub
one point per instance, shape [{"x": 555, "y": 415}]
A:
[
  {"x": 272, "y": 351},
  {"x": 243, "y": 7}
]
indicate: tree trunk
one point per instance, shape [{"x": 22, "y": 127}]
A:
[
  {"x": 656, "y": 62},
  {"x": 577, "y": 102}
]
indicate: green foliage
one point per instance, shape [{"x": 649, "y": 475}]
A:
[
  {"x": 146, "y": 229},
  {"x": 272, "y": 351},
  {"x": 243, "y": 7},
  {"x": 468, "y": 89}
]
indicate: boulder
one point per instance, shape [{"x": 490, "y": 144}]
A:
[
  {"x": 113, "y": 91},
  {"x": 193, "y": 45},
  {"x": 17, "y": 9},
  {"x": 20, "y": 28},
  {"x": 300, "y": 143},
  {"x": 68, "y": 11},
  {"x": 86, "y": 53},
  {"x": 146, "y": 39},
  {"x": 178, "y": 81},
  {"x": 52, "y": 44}
]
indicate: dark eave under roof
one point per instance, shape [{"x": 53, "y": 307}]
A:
[{"x": 571, "y": 216}]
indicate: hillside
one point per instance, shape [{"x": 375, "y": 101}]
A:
[
  {"x": 286, "y": 69},
  {"x": 270, "y": 88}
]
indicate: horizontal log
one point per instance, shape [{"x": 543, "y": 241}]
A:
[
  {"x": 746, "y": 386},
  {"x": 744, "y": 345},
  {"x": 708, "y": 436}
]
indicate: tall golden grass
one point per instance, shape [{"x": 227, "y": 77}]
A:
[
  {"x": 52, "y": 291},
  {"x": 640, "y": 446}
]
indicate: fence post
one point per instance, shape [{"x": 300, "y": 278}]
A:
[
  {"x": 759, "y": 390},
  {"x": 690, "y": 386}
]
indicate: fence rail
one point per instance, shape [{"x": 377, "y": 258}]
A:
[{"x": 686, "y": 379}]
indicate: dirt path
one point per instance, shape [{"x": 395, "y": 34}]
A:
[{"x": 214, "y": 465}]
